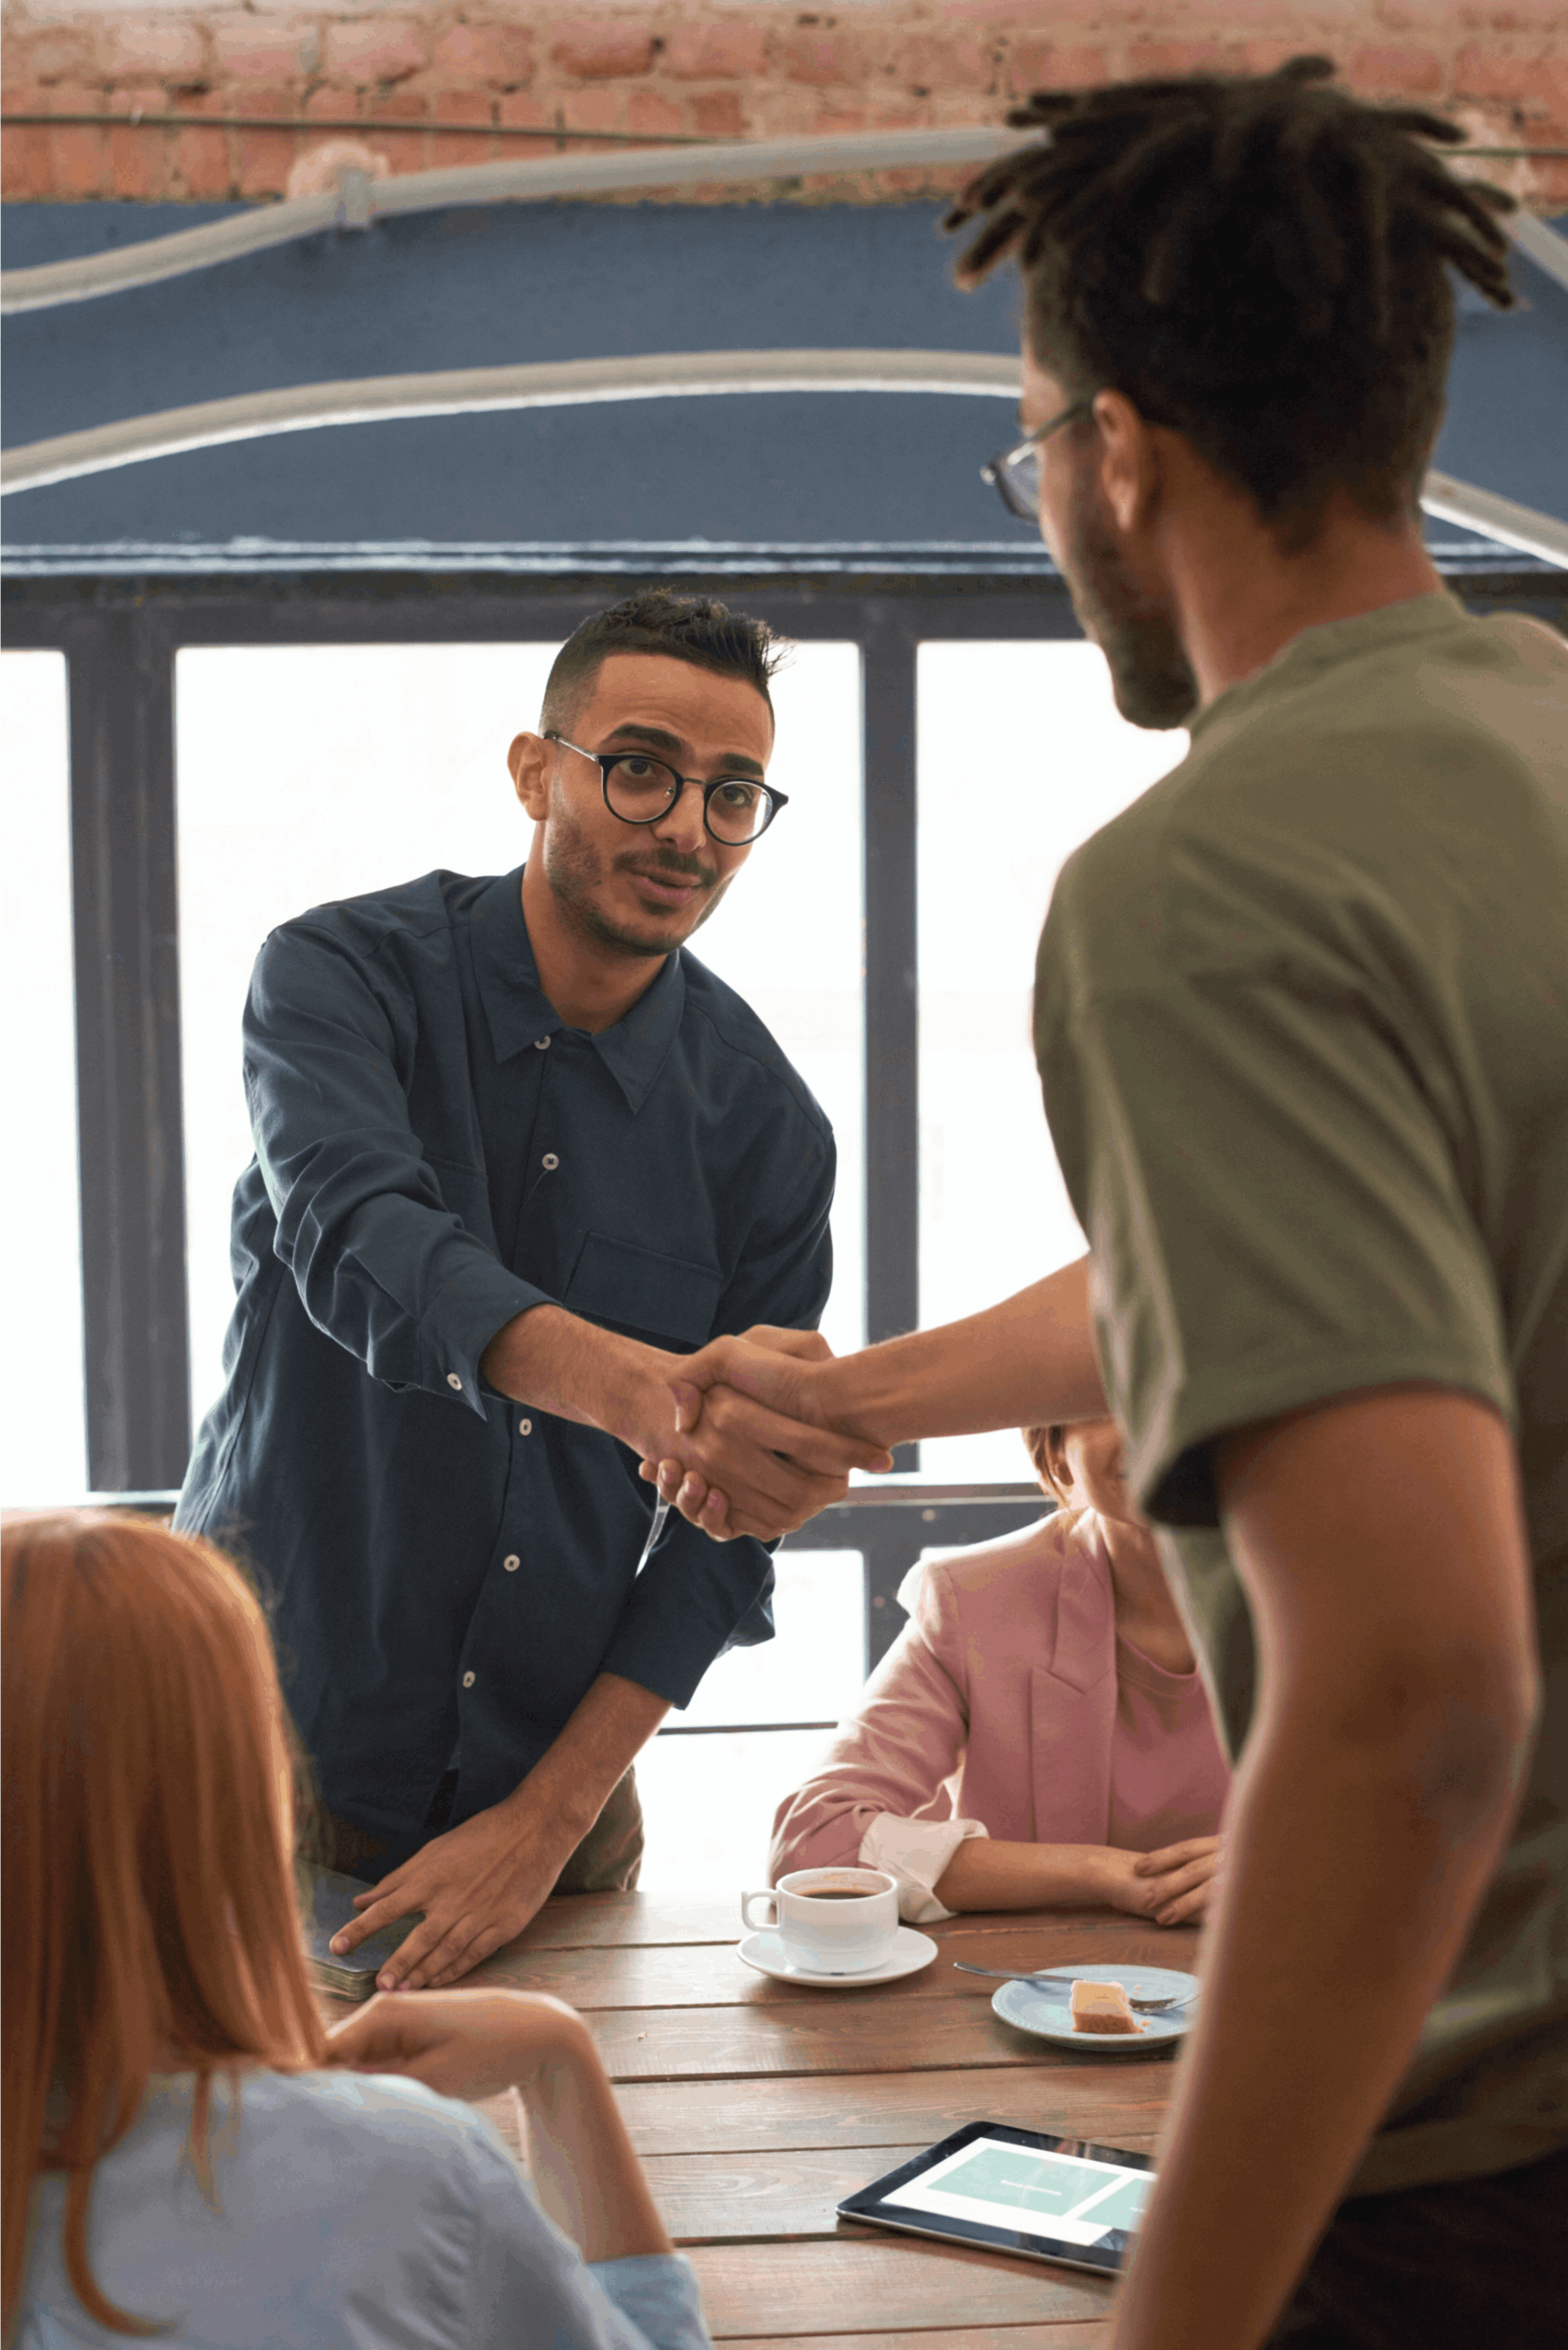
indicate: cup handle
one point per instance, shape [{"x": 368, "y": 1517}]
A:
[{"x": 746, "y": 1900}]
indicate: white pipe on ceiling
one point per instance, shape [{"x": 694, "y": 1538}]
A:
[{"x": 681, "y": 375}]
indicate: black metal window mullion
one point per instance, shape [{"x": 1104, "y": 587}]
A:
[{"x": 129, "y": 1115}]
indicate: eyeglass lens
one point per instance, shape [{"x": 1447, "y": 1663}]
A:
[
  {"x": 1018, "y": 478},
  {"x": 640, "y": 789}
]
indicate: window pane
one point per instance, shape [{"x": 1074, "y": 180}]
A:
[
  {"x": 789, "y": 937},
  {"x": 812, "y": 1668},
  {"x": 44, "y": 1415},
  {"x": 307, "y": 772},
  {"x": 1022, "y": 755},
  {"x": 708, "y": 1807}
]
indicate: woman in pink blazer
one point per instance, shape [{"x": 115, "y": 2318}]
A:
[{"x": 1038, "y": 1733}]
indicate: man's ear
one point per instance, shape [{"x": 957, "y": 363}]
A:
[
  {"x": 1129, "y": 460},
  {"x": 528, "y": 760}
]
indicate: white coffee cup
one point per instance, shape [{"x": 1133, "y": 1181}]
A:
[{"x": 832, "y": 1921}]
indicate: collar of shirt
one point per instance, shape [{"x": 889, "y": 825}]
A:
[{"x": 520, "y": 1013}]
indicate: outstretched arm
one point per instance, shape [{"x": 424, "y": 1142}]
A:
[
  {"x": 1379, "y": 1540},
  {"x": 1023, "y": 1363}
]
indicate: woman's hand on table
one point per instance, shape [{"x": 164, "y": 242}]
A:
[
  {"x": 463, "y": 2043},
  {"x": 1173, "y": 1885}
]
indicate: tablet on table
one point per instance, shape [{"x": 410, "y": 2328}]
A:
[{"x": 1015, "y": 2190}]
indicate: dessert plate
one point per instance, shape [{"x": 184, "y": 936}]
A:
[
  {"x": 1034, "y": 2008},
  {"x": 766, "y": 1952}
]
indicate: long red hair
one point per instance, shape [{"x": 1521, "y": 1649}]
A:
[{"x": 149, "y": 1910}]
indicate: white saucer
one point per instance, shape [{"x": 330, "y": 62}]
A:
[
  {"x": 1048, "y": 2013},
  {"x": 910, "y": 1952}
]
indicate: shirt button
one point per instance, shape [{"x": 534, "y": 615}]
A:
[
  {"x": 524, "y": 1428},
  {"x": 453, "y": 1379},
  {"x": 550, "y": 1160},
  {"x": 512, "y": 1563},
  {"x": 468, "y": 1680},
  {"x": 541, "y": 1044}
]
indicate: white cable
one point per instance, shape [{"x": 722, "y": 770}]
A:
[
  {"x": 519, "y": 181},
  {"x": 568, "y": 384}
]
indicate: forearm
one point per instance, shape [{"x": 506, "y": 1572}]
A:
[
  {"x": 986, "y": 1874},
  {"x": 551, "y": 1360},
  {"x": 1022, "y": 1363},
  {"x": 582, "y": 2163},
  {"x": 1343, "y": 1906},
  {"x": 568, "y": 1786}
]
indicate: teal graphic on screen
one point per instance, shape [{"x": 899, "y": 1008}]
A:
[{"x": 1046, "y": 2194}]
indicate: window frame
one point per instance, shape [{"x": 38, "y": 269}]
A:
[{"x": 121, "y": 636}]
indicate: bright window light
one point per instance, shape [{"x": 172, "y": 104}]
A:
[
  {"x": 42, "y": 1426},
  {"x": 1022, "y": 755},
  {"x": 708, "y": 1806}
]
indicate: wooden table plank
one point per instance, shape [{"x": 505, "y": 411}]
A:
[
  {"x": 1118, "y": 2103},
  {"x": 586, "y": 1921},
  {"x": 862, "y": 2282},
  {"x": 711, "y": 1974},
  {"x": 864, "y": 2035}
]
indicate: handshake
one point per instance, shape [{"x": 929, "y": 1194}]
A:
[{"x": 759, "y": 1439}]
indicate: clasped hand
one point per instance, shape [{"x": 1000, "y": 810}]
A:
[{"x": 753, "y": 1451}]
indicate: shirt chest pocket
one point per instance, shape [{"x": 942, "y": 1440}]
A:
[{"x": 642, "y": 1292}]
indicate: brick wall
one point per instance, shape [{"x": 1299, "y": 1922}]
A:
[{"x": 687, "y": 68}]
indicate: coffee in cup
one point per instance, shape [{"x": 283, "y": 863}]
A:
[{"x": 838, "y": 1921}]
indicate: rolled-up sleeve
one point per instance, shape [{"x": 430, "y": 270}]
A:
[{"x": 382, "y": 1263}]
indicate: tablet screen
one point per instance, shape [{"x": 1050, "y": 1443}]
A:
[
  {"x": 1054, "y": 2199},
  {"x": 1066, "y": 2197}
]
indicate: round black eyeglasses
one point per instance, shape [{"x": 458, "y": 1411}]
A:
[
  {"x": 1015, "y": 474},
  {"x": 640, "y": 789}
]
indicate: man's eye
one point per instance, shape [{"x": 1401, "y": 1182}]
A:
[
  {"x": 639, "y": 771},
  {"x": 737, "y": 796}
]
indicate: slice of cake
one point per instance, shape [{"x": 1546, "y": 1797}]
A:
[{"x": 1101, "y": 2006}]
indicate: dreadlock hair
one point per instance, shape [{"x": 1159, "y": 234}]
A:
[
  {"x": 1260, "y": 264},
  {"x": 695, "y": 628}
]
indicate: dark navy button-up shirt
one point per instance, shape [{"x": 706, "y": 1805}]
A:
[{"x": 436, "y": 1153}]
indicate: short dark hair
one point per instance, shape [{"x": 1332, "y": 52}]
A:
[
  {"x": 1259, "y": 263},
  {"x": 695, "y": 628}
]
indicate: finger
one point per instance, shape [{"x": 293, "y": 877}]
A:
[
  {"x": 452, "y": 1956},
  {"x": 688, "y": 1403},
  {"x": 1177, "y": 1881},
  {"x": 480, "y": 1948},
  {"x": 402, "y": 1972},
  {"x": 809, "y": 1346},
  {"x": 1173, "y": 1855},
  {"x": 713, "y": 1517},
  {"x": 1182, "y": 1913},
  {"x": 733, "y": 1418},
  {"x": 384, "y": 1909}
]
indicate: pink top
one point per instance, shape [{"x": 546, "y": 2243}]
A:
[{"x": 1007, "y": 1707}]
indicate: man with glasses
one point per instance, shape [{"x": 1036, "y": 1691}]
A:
[{"x": 517, "y": 1156}]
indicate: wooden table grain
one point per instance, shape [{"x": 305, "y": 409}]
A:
[{"x": 758, "y": 2104}]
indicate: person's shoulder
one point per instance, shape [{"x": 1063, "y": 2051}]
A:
[
  {"x": 423, "y": 911},
  {"x": 945, "y": 1595},
  {"x": 728, "y": 1025},
  {"x": 382, "y": 2118}
]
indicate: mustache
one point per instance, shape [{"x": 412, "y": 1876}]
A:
[{"x": 668, "y": 861}]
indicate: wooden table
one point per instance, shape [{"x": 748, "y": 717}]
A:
[{"x": 757, "y": 2105}]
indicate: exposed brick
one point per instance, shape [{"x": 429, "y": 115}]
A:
[
  {"x": 137, "y": 45},
  {"x": 250, "y": 49},
  {"x": 929, "y": 63},
  {"x": 138, "y": 164},
  {"x": 405, "y": 150},
  {"x": 1412, "y": 72},
  {"x": 259, "y": 100},
  {"x": 201, "y": 164},
  {"x": 718, "y": 114},
  {"x": 722, "y": 52},
  {"x": 27, "y": 162},
  {"x": 79, "y": 155},
  {"x": 654, "y": 115},
  {"x": 332, "y": 102},
  {"x": 263, "y": 160},
  {"x": 475, "y": 105},
  {"x": 824, "y": 59},
  {"x": 1168, "y": 60},
  {"x": 1267, "y": 56},
  {"x": 602, "y": 49},
  {"x": 493, "y": 57},
  {"x": 593, "y": 109},
  {"x": 522, "y": 112},
  {"x": 55, "y": 56},
  {"x": 1487, "y": 73},
  {"x": 376, "y": 50},
  {"x": 1042, "y": 65},
  {"x": 1513, "y": 16}
]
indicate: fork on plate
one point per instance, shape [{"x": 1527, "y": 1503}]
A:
[{"x": 1065, "y": 1982}]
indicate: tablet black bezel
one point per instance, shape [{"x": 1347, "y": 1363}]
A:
[{"x": 869, "y": 2205}]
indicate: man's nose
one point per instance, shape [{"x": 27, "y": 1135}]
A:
[{"x": 681, "y": 825}]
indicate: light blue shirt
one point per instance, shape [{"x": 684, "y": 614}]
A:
[{"x": 352, "y": 2211}]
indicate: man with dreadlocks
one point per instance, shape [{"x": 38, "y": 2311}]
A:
[{"x": 1301, "y": 1020}]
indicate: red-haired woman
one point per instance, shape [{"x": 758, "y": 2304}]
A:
[{"x": 186, "y": 2151}]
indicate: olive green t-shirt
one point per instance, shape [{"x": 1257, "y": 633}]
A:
[{"x": 1301, "y": 1024}]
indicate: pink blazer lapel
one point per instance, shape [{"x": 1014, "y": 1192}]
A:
[{"x": 1073, "y": 1699}]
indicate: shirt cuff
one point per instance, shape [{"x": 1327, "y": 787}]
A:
[
  {"x": 658, "y": 2291},
  {"x": 916, "y": 1852},
  {"x": 478, "y": 1300}
]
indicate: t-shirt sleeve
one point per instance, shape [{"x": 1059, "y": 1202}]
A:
[{"x": 1273, "y": 1209}]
